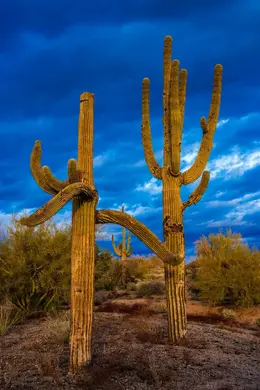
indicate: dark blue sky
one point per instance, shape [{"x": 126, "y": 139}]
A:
[{"x": 52, "y": 51}]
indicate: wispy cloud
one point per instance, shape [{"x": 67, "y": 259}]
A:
[
  {"x": 234, "y": 163},
  {"x": 103, "y": 158},
  {"x": 240, "y": 208},
  {"x": 152, "y": 187},
  {"x": 136, "y": 209}
]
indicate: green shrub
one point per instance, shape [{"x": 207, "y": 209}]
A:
[
  {"x": 257, "y": 321},
  {"x": 103, "y": 264},
  {"x": 162, "y": 308},
  {"x": 131, "y": 286},
  {"x": 35, "y": 266},
  {"x": 147, "y": 289},
  {"x": 228, "y": 270},
  {"x": 9, "y": 315},
  {"x": 100, "y": 297},
  {"x": 229, "y": 314}
]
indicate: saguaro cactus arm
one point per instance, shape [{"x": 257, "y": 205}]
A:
[
  {"x": 55, "y": 204},
  {"x": 197, "y": 194},
  {"x": 176, "y": 102},
  {"x": 56, "y": 184},
  {"x": 73, "y": 174},
  {"x": 140, "y": 231},
  {"x": 128, "y": 248},
  {"x": 174, "y": 97},
  {"x": 42, "y": 175},
  {"x": 208, "y": 127},
  {"x": 153, "y": 166},
  {"x": 117, "y": 250}
]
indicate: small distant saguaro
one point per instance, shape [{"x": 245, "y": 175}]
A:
[
  {"x": 174, "y": 96},
  {"x": 123, "y": 250}
]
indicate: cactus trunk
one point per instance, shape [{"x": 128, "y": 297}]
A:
[
  {"x": 174, "y": 275},
  {"x": 83, "y": 246},
  {"x": 82, "y": 282}
]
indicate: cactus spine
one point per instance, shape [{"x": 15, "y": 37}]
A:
[
  {"x": 174, "y": 96},
  {"x": 123, "y": 250},
  {"x": 79, "y": 187}
]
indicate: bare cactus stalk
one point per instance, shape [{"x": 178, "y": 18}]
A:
[
  {"x": 123, "y": 250},
  {"x": 83, "y": 244},
  {"x": 174, "y": 96}
]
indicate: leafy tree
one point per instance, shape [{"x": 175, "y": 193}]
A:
[
  {"x": 228, "y": 270},
  {"x": 35, "y": 265}
]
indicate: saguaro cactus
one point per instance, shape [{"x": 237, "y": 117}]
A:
[
  {"x": 174, "y": 96},
  {"x": 123, "y": 250},
  {"x": 79, "y": 187}
]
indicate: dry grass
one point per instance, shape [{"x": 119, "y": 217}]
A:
[
  {"x": 56, "y": 328},
  {"x": 148, "y": 330},
  {"x": 9, "y": 316}
]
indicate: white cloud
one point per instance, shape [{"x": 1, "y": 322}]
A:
[
  {"x": 136, "y": 209},
  {"x": 219, "y": 194},
  {"x": 152, "y": 187},
  {"x": 234, "y": 163},
  {"x": 222, "y": 122},
  {"x": 232, "y": 202},
  {"x": 241, "y": 207},
  {"x": 103, "y": 158}
]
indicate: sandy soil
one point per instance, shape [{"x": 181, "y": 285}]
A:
[{"x": 130, "y": 351}]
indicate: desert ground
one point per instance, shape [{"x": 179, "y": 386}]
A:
[{"x": 130, "y": 350}]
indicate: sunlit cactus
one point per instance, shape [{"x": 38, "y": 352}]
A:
[
  {"x": 123, "y": 250},
  {"x": 174, "y": 96},
  {"x": 79, "y": 187}
]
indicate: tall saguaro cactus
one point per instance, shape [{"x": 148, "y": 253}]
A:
[
  {"x": 174, "y": 96},
  {"x": 123, "y": 249},
  {"x": 79, "y": 187}
]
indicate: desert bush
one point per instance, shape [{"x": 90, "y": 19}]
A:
[
  {"x": 161, "y": 308},
  {"x": 229, "y": 314},
  {"x": 228, "y": 270},
  {"x": 112, "y": 278},
  {"x": 191, "y": 279},
  {"x": 257, "y": 321},
  {"x": 56, "y": 327},
  {"x": 131, "y": 286},
  {"x": 103, "y": 265},
  {"x": 147, "y": 289},
  {"x": 35, "y": 266},
  {"x": 100, "y": 297},
  {"x": 9, "y": 316}
]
